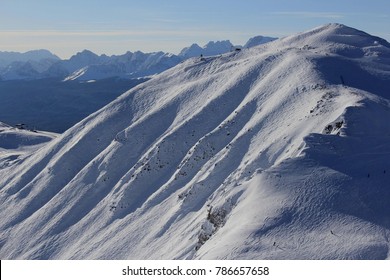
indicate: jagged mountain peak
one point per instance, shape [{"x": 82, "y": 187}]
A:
[
  {"x": 258, "y": 40},
  {"x": 7, "y": 58},
  {"x": 210, "y": 49},
  {"x": 191, "y": 51},
  {"x": 29, "y": 55},
  {"x": 85, "y": 55},
  {"x": 218, "y": 44}
]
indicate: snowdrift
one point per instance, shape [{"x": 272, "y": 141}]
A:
[
  {"x": 275, "y": 152},
  {"x": 16, "y": 144}
]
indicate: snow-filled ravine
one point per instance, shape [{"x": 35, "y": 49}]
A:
[{"x": 280, "y": 151}]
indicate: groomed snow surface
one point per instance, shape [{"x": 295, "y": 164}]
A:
[{"x": 280, "y": 151}]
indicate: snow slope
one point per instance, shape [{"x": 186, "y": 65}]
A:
[
  {"x": 275, "y": 152},
  {"x": 13, "y": 138},
  {"x": 16, "y": 144}
]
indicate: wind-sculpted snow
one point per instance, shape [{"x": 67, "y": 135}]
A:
[
  {"x": 272, "y": 152},
  {"x": 16, "y": 144}
]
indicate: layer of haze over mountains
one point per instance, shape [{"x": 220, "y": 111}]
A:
[
  {"x": 86, "y": 65},
  {"x": 279, "y": 151}
]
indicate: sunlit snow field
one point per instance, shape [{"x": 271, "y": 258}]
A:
[{"x": 279, "y": 151}]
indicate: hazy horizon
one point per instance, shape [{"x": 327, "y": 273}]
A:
[{"x": 119, "y": 26}]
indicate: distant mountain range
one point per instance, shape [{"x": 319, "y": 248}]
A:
[
  {"x": 7, "y": 58},
  {"x": 87, "y": 65}
]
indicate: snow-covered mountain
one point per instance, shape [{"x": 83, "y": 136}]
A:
[
  {"x": 129, "y": 65},
  {"x": 221, "y": 47},
  {"x": 28, "y": 65},
  {"x": 258, "y": 40},
  {"x": 210, "y": 49},
  {"x": 87, "y": 65},
  {"x": 275, "y": 152},
  {"x": 7, "y": 58},
  {"x": 138, "y": 64}
]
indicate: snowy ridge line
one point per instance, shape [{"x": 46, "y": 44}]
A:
[{"x": 266, "y": 153}]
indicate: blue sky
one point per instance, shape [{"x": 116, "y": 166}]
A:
[{"x": 117, "y": 26}]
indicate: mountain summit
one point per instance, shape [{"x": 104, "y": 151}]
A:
[
  {"x": 7, "y": 58},
  {"x": 276, "y": 152},
  {"x": 258, "y": 40},
  {"x": 28, "y": 65},
  {"x": 210, "y": 49}
]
